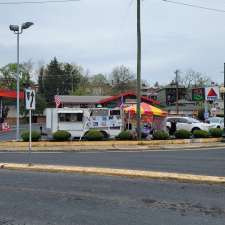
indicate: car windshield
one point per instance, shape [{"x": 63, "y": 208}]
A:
[{"x": 192, "y": 120}]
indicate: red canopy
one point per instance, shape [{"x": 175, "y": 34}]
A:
[{"x": 10, "y": 94}]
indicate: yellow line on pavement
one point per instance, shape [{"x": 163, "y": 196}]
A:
[{"x": 180, "y": 177}]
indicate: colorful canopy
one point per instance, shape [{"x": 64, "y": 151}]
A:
[{"x": 146, "y": 109}]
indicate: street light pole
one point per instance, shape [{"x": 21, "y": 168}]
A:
[
  {"x": 18, "y": 30},
  {"x": 138, "y": 69},
  {"x": 18, "y": 90}
]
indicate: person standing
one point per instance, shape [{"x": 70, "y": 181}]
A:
[{"x": 173, "y": 127}]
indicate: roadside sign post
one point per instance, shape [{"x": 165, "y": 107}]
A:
[
  {"x": 30, "y": 105},
  {"x": 212, "y": 94},
  {"x": 30, "y": 130}
]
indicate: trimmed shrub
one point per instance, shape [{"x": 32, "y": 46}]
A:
[
  {"x": 200, "y": 134},
  {"x": 182, "y": 134},
  {"x": 61, "y": 135},
  {"x": 35, "y": 135},
  {"x": 160, "y": 135},
  {"x": 125, "y": 135},
  {"x": 94, "y": 135},
  {"x": 216, "y": 132}
]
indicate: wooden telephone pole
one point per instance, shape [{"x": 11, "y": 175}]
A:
[
  {"x": 138, "y": 69},
  {"x": 177, "y": 92}
]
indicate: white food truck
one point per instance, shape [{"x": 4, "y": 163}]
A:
[{"x": 78, "y": 121}]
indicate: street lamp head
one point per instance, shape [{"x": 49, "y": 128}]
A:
[
  {"x": 26, "y": 25},
  {"x": 14, "y": 28}
]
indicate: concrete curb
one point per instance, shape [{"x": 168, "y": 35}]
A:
[
  {"x": 95, "y": 145},
  {"x": 179, "y": 177},
  {"x": 64, "y": 148}
]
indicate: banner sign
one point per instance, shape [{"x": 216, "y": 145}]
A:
[
  {"x": 212, "y": 93},
  {"x": 198, "y": 94},
  {"x": 105, "y": 121}
]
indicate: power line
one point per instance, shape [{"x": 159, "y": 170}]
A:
[
  {"x": 195, "y": 6},
  {"x": 37, "y": 2}
]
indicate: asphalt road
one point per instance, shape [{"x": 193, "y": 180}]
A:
[
  {"x": 28, "y": 198},
  {"x": 205, "y": 162}
]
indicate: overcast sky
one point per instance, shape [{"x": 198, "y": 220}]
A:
[{"x": 101, "y": 34}]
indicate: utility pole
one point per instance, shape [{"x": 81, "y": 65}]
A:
[
  {"x": 224, "y": 105},
  {"x": 177, "y": 91},
  {"x": 138, "y": 69}
]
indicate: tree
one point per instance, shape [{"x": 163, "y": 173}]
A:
[
  {"x": 192, "y": 78},
  {"x": 59, "y": 78},
  {"x": 122, "y": 80},
  {"x": 41, "y": 80},
  {"x": 41, "y": 104},
  {"x": 74, "y": 76},
  {"x": 8, "y": 76},
  {"x": 99, "y": 85},
  {"x": 52, "y": 81},
  {"x": 83, "y": 86}
]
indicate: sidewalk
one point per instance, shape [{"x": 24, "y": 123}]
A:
[{"x": 113, "y": 145}]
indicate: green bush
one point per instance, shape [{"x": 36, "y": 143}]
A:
[
  {"x": 160, "y": 135},
  {"x": 200, "y": 134},
  {"x": 35, "y": 135},
  {"x": 182, "y": 134},
  {"x": 216, "y": 132},
  {"x": 94, "y": 135},
  {"x": 61, "y": 135},
  {"x": 125, "y": 135}
]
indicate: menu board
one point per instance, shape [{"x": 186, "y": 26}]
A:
[
  {"x": 198, "y": 94},
  {"x": 105, "y": 121}
]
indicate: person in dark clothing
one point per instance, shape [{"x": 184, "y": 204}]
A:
[
  {"x": 41, "y": 129},
  {"x": 173, "y": 127}
]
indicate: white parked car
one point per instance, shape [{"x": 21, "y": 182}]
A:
[
  {"x": 187, "y": 123},
  {"x": 216, "y": 122}
]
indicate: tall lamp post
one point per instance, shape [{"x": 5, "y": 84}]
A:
[{"x": 18, "y": 30}]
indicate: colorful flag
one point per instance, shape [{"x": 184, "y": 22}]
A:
[
  {"x": 57, "y": 101},
  {"x": 121, "y": 102}
]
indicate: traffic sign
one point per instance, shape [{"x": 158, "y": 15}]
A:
[
  {"x": 212, "y": 93},
  {"x": 30, "y": 99}
]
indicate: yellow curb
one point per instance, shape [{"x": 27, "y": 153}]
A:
[
  {"x": 180, "y": 177},
  {"x": 12, "y": 144}
]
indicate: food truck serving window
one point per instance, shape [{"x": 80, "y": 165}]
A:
[
  {"x": 115, "y": 112},
  {"x": 70, "y": 117},
  {"x": 99, "y": 112}
]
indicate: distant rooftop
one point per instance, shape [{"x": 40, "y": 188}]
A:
[{"x": 81, "y": 99}]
